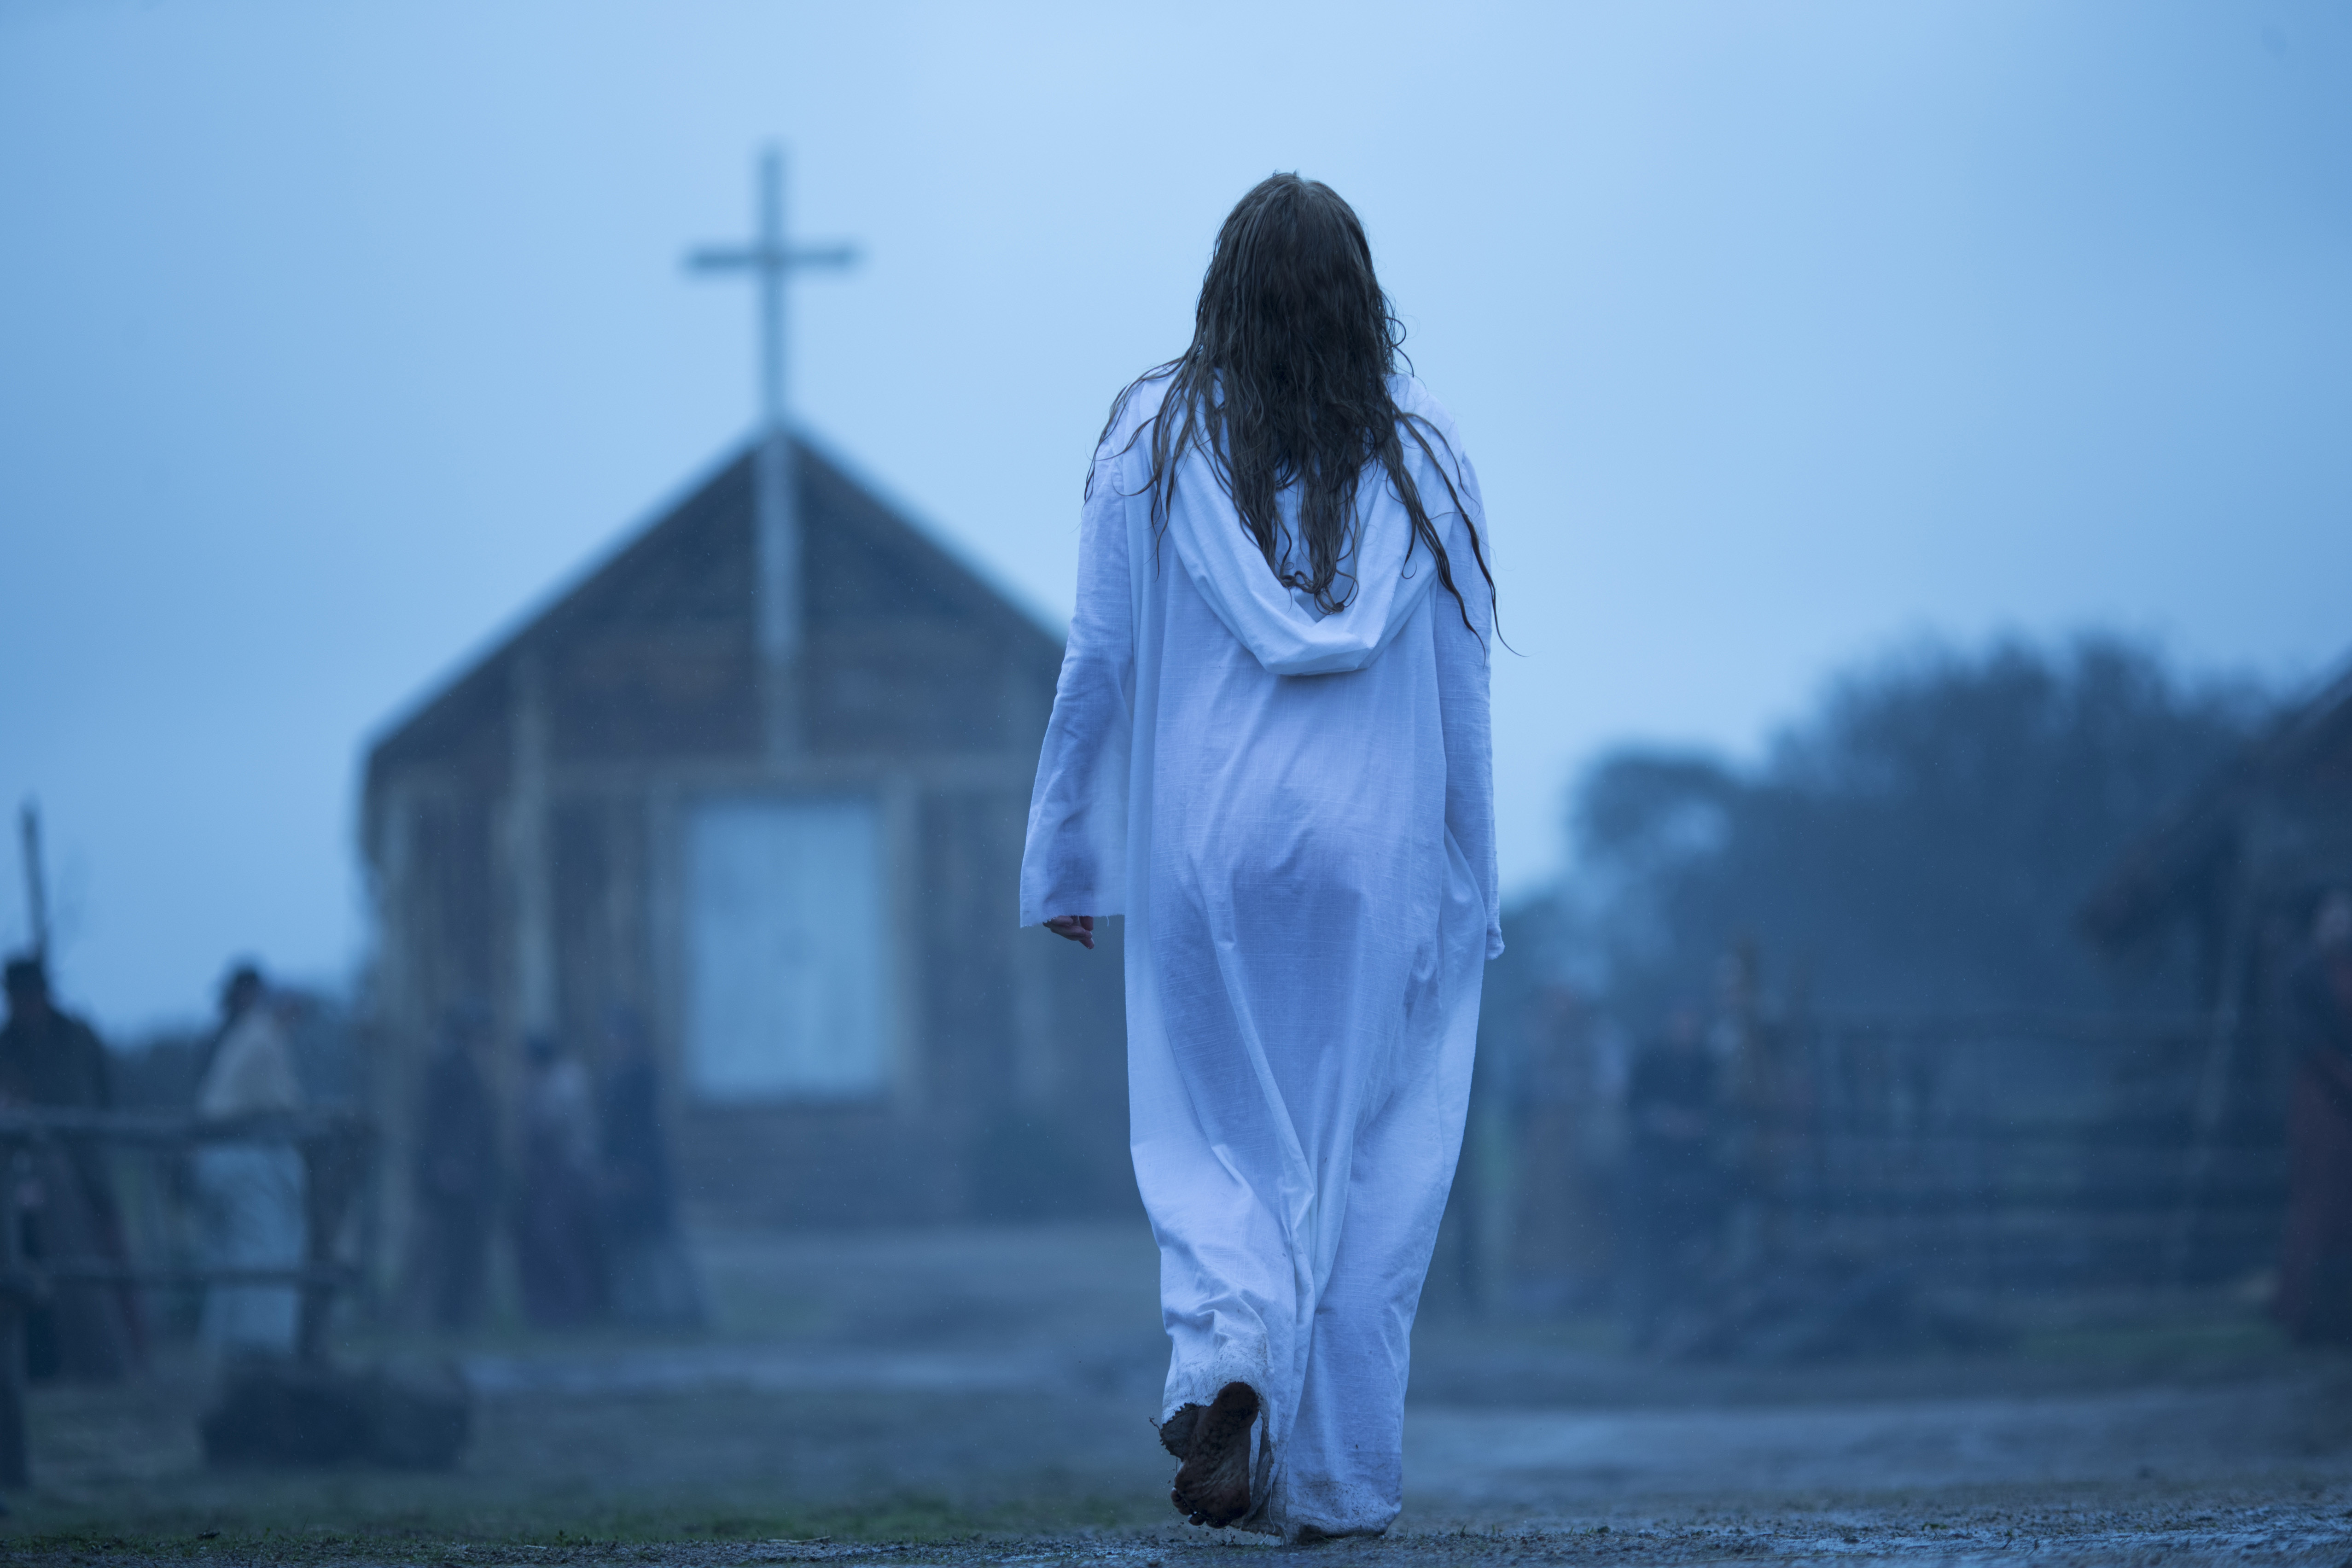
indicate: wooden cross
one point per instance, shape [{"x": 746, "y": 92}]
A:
[{"x": 771, "y": 260}]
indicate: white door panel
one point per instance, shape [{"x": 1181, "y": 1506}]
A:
[{"x": 786, "y": 995}]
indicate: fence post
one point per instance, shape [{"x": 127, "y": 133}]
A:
[
  {"x": 334, "y": 1162},
  {"x": 14, "y": 1468}
]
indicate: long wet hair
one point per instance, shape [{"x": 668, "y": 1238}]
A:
[{"x": 1286, "y": 382}]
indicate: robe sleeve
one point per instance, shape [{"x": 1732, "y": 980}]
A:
[
  {"x": 1464, "y": 658},
  {"x": 1075, "y": 862}
]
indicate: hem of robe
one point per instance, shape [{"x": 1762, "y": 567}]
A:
[
  {"x": 1280, "y": 1513},
  {"x": 1326, "y": 1513},
  {"x": 1200, "y": 1383}
]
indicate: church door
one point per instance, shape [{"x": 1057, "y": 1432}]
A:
[{"x": 786, "y": 984}]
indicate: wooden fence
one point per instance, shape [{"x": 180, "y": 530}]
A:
[
  {"x": 335, "y": 1147},
  {"x": 2014, "y": 1152}
]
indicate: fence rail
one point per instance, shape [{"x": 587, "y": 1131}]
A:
[
  {"x": 2015, "y": 1150},
  {"x": 335, "y": 1148}
]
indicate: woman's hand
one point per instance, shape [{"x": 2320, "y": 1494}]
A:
[{"x": 1079, "y": 929}]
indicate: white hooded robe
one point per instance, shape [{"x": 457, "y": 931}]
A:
[{"x": 1294, "y": 814}]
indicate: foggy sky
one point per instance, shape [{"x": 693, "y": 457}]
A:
[{"x": 334, "y": 339}]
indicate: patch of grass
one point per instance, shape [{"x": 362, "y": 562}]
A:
[
  {"x": 279, "y": 1525},
  {"x": 2177, "y": 1341}
]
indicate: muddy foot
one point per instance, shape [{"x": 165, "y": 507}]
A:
[
  {"x": 1176, "y": 1432},
  {"x": 1212, "y": 1486}
]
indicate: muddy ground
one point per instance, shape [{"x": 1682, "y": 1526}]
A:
[{"x": 970, "y": 1396}]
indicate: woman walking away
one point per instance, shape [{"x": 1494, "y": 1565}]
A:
[{"x": 1269, "y": 752}]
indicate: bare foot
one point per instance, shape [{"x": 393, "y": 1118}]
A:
[
  {"x": 1212, "y": 1486},
  {"x": 1176, "y": 1432}
]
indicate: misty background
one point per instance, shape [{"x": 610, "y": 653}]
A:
[{"x": 332, "y": 341}]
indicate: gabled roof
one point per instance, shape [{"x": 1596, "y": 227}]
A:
[
  {"x": 690, "y": 564},
  {"x": 2309, "y": 744}
]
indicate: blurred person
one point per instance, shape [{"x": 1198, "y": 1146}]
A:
[
  {"x": 48, "y": 1056},
  {"x": 2314, "y": 1293},
  {"x": 651, "y": 1282},
  {"x": 558, "y": 1256},
  {"x": 455, "y": 1177},
  {"x": 66, "y": 1204},
  {"x": 1674, "y": 1194},
  {"x": 1269, "y": 752},
  {"x": 250, "y": 1196}
]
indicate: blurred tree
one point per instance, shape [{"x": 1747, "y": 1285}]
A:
[{"x": 1922, "y": 840}]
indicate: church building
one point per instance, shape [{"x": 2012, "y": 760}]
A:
[
  {"x": 789, "y": 842},
  {"x": 761, "y": 780}
]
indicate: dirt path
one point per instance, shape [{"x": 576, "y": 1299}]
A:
[
  {"x": 960, "y": 1398},
  {"x": 2311, "y": 1526}
]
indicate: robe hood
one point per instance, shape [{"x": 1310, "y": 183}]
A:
[{"x": 1393, "y": 571}]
